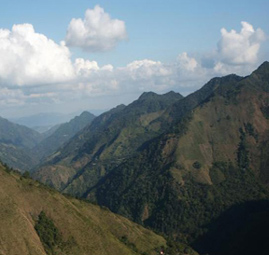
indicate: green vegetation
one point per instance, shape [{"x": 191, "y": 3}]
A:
[
  {"x": 48, "y": 233},
  {"x": 26, "y": 174},
  {"x": 242, "y": 153},
  {"x": 174, "y": 209},
  {"x": 265, "y": 111},
  {"x": 251, "y": 131},
  {"x": 197, "y": 165},
  {"x": 131, "y": 245}
]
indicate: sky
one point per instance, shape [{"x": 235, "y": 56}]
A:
[{"x": 70, "y": 55}]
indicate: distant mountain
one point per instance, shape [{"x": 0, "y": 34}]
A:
[
  {"x": 44, "y": 121},
  {"x": 62, "y": 134},
  {"x": 48, "y": 132},
  {"x": 38, "y": 220},
  {"x": 22, "y": 147},
  {"x": 110, "y": 139},
  {"x": 16, "y": 141},
  {"x": 44, "y": 130}
]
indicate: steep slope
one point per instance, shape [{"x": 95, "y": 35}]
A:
[
  {"x": 211, "y": 159},
  {"x": 15, "y": 144},
  {"x": 62, "y": 134},
  {"x": 38, "y": 220},
  {"x": 109, "y": 140},
  {"x": 180, "y": 108}
]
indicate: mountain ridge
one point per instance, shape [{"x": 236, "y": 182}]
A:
[
  {"x": 115, "y": 134},
  {"x": 16, "y": 141},
  {"x": 62, "y": 134}
]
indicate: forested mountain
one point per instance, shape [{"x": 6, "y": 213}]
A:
[
  {"x": 179, "y": 166},
  {"x": 62, "y": 134},
  {"x": 40, "y": 221},
  {"x": 111, "y": 138},
  {"x": 213, "y": 158},
  {"x": 15, "y": 143}
]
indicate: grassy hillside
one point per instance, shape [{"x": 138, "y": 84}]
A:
[{"x": 38, "y": 220}]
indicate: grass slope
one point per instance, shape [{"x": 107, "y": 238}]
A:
[{"x": 84, "y": 228}]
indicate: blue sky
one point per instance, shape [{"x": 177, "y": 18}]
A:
[{"x": 156, "y": 45}]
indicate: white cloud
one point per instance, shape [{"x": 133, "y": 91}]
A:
[
  {"x": 11, "y": 97},
  {"x": 36, "y": 70},
  {"x": 187, "y": 63},
  {"x": 240, "y": 48},
  {"x": 97, "y": 32},
  {"x": 85, "y": 67},
  {"x": 146, "y": 69},
  {"x": 29, "y": 58}
]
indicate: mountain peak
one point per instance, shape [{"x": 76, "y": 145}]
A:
[
  {"x": 151, "y": 95},
  {"x": 147, "y": 95},
  {"x": 263, "y": 69},
  {"x": 86, "y": 113},
  {"x": 173, "y": 94}
]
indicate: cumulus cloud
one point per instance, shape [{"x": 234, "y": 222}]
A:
[
  {"x": 240, "y": 48},
  {"x": 36, "y": 70},
  {"x": 146, "y": 69},
  {"x": 96, "y": 32},
  {"x": 186, "y": 63},
  {"x": 29, "y": 58}
]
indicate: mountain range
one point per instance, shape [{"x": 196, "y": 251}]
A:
[
  {"x": 44, "y": 121},
  {"x": 15, "y": 143},
  {"x": 193, "y": 169},
  {"x": 110, "y": 139},
  {"x": 175, "y": 164},
  {"x": 22, "y": 148}
]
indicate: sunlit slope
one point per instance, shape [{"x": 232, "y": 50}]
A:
[{"x": 85, "y": 228}]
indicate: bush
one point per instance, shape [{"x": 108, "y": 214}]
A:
[
  {"x": 197, "y": 165},
  {"x": 48, "y": 233}
]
